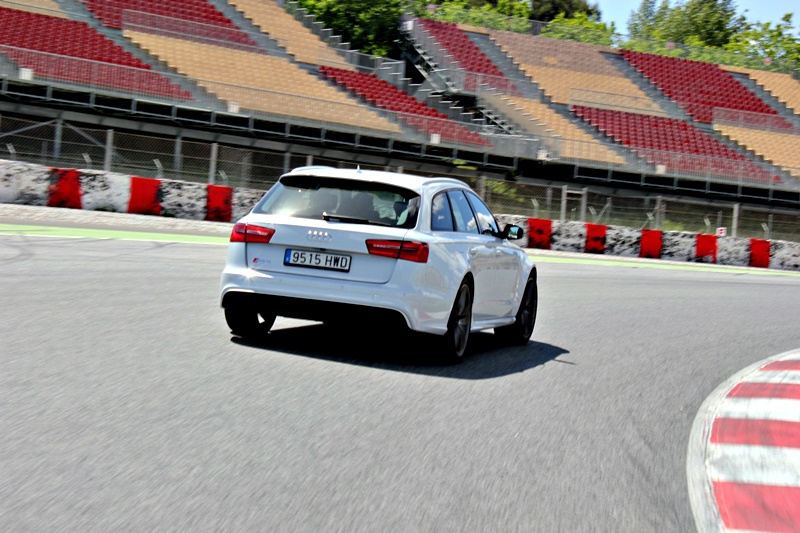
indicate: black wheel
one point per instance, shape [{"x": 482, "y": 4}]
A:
[
  {"x": 521, "y": 330},
  {"x": 246, "y": 322},
  {"x": 458, "y": 326}
]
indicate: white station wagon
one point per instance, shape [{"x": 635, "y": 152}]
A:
[{"x": 378, "y": 248}]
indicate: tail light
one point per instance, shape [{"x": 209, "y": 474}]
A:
[
  {"x": 406, "y": 250},
  {"x": 249, "y": 233}
]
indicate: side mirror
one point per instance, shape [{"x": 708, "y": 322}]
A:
[{"x": 513, "y": 232}]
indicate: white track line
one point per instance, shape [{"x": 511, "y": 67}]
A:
[
  {"x": 790, "y": 377},
  {"x": 763, "y": 465},
  {"x": 760, "y": 408}
]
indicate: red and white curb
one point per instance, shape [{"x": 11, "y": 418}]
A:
[{"x": 743, "y": 465}]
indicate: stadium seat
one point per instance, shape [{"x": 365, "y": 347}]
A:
[
  {"x": 413, "y": 112},
  {"x": 674, "y": 143},
  {"x": 70, "y": 51}
]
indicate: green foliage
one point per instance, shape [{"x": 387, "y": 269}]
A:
[
  {"x": 710, "y": 30},
  {"x": 509, "y": 15},
  {"x": 645, "y": 23},
  {"x": 762, "y": 41},
  {"x": 582, "y": 28},
  {"x": 547, "y": 10},
  {"x": 703, "y": 30},
  {"x": 368, "y": 25}
]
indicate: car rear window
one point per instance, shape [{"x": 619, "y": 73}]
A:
[{"x": 342, "y": 200}]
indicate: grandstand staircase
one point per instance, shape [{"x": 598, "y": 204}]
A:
[
  {"x": 743, "y": 150},
  {"x": 318, "y": 28},
  {"x": 263, "y": 40},
  {"x": 523, "y": 83},
  {"x": 466, "y": 110},
  {"x": 530, "y": 89},
  {"x": 781, "y": 108},
  {"x": 78, "y": 11},
  {"x": 425, "y": 64}
]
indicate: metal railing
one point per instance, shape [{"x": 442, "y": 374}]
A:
[
  {"x": 753, "y": 120},
  {"x": 618, "y": 102}
]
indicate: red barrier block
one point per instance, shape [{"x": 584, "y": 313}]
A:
[
  {"x": 540, "y": 233},
  {"x": 759, "y": 253},
  {"x": 65, "y": 188},
  {"x": 706, "y": 249},
  {"x": 219, "y": 203},
  {"x": 650, "y": 246},
  {"x": 145, "y": 196},
  {"x": 595, "y": 238}
]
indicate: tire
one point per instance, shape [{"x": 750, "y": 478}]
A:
[
  {"x": 456, "y": 340},
  {"x": 247, "y": 323},
  {"x": 521, "y": 330}
]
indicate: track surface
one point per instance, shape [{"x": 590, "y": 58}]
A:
[{"x": 126, "y": 405}]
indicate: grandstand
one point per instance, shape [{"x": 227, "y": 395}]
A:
[
  {"x": 559, "y": 67},
  {"x": 674, "y": 143},
  {"x": 296, "y": 38},
  {"x": 520, "y": 103},
  {"x": 56, "y": 48}
]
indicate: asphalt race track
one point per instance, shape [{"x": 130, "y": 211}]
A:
[{"x": 127, "y": 405}]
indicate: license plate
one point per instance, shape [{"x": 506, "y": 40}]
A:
[{"x": 305, "y": 258}]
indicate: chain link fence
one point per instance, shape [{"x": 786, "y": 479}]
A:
[{"x": 61, "y": 144}]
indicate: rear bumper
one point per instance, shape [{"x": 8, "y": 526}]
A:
[
  {"x": 328, "y": 300},
  {"x": 317, "y": 310}
]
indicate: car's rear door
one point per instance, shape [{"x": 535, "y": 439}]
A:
[{"x": 507, "y": 266}]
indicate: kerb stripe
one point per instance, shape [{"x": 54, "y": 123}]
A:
[
  {"x": 758, "y": 507},
  {"x": 756, "y": 432},
  {"x": 789, "y": 364},
  {"x": 787, "y": 391}
]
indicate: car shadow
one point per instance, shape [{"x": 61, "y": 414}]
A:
[{"x": 407, "y": 352}]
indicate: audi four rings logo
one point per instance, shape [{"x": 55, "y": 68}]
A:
[{"x": 315, "y": 235}]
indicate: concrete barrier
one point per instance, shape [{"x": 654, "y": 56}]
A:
[{"x": 30, "y": 184}]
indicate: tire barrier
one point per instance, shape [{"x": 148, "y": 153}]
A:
[
  {"x": 584, "y": 237},
  {"x": 30, "y": 184}
]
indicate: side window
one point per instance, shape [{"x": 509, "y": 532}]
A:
[
  {"x": 485, "y": 218},
  {"x": 462, "y": 213},
  {"x": 441, "y": 215}
]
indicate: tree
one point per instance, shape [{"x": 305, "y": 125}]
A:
[
  {"x": 581, "y": 28},
  {"x": 767, "y": 44},
  {"x": 546, "y": 10},
  {"x": 646, "y": 22},
  {"x": 702, "y": 22},
  {"x": 510, "y": 15},
  {"x": 369, "y": 26}
]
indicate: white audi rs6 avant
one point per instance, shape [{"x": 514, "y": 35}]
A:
[{"x": 379, "y": 249}]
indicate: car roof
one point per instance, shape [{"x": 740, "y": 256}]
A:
[{"x": 408, "y": 181}]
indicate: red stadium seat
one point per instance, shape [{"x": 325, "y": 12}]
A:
[
  {"x": 385, "y": 95},
  {"x": 79, "y": 54},
  {"x": 696, "y": 86},
  {"x": 704, "y": 154}
]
